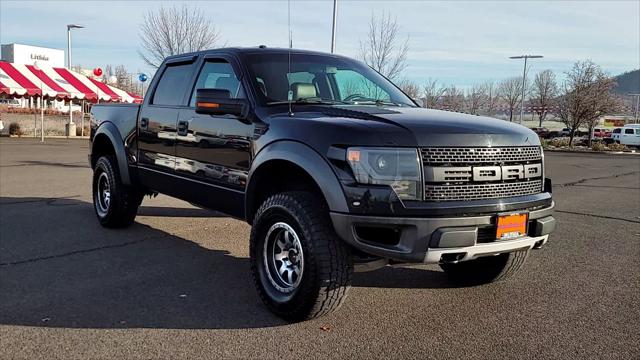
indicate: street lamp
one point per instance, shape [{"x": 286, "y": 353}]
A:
[
  {"x": 69, "y": 27},
  {"x": 36, "y": 66},
  {"x": 524, "y": 75},
  {"x": 637, "y": 105},
  {"x": 333, "y": 28},
  {"x": 70, "y": 127}
]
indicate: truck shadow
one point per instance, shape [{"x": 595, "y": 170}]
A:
[{"x": 59, "y": 268}]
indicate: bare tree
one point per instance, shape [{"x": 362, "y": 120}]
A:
[
  {"x": 475, "y": 99},
  {"x": 382, "y": 49},
  {"x": 433, "y": 93},
  {"x": 586, "y": 96},
  {"x": 410, "y": 88},
  {"x": 171, "y": 31},
  {"x": 124, "y": 79},
  {"x": 453, "y": 99},
  {"x": 545, "y": 91},
  {"x": 510, "y": 90},
  {"x": 493, "y": 98}
]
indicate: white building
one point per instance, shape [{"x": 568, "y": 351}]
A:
[{"x": 27, "y": 54}]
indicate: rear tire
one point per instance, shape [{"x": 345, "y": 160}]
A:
[
  {"x": 115, "y": 204},
  {"x": 300, "y": 267},
  {"x": 486, "y": 269}
]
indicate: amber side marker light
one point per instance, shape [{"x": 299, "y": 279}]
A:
[
  {"x": 353, "y": 155},
  {"x": 208, "y": 105}
]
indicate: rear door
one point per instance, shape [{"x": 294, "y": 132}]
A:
[
  {"x": 158, "y": 121},
  {"x": 213, "y": 152}
]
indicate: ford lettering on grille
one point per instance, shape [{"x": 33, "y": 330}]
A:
[{"x": 452, "y": 174}]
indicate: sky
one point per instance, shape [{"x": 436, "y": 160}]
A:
[{"x": 456, "y": 42}]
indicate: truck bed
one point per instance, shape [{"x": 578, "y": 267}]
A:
[{"x": 123, "y": 116}]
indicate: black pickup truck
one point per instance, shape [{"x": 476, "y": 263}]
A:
[{"x": 335, "y": 168}]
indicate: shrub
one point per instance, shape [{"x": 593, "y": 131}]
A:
[
  {"x": 79, "y": 130},
  {"x": 617, "y": 147},
  {"x": 559, "y": 142},
  {"x": 598, "y": 146},
  {"x": 14, "y": 129}
]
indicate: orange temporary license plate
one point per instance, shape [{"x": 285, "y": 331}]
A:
[{"x": 511, "y": 226}]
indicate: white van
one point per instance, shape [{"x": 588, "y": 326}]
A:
[{"x": 630, "y": 135}]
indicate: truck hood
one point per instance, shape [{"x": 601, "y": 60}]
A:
[{"x": 443, "y": 128}]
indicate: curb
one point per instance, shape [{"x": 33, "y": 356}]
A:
[
  {"x": 591, "y": 152},
  {"x": 46, "y": 137}
]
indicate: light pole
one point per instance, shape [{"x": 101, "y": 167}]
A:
[
  {"x": 70, "y": 127},
  {"x": 333, "y": 28},
  {"x": 637, "y": 105},
  {"x": 37, "y": 67},
  {"x": 524, "y": 75}
]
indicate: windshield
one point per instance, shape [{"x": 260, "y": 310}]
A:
[{"x": 320, "y": 79}]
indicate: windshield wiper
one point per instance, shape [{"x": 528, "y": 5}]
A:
[
  {"x": 308, "y": 102},
  {"x": 377, "y": 102}
]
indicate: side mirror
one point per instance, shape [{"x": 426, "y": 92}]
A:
[{"x": 219, "y": 102}]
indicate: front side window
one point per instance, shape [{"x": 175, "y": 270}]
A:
[
  {"x": 628, "y": 131},
  {"x": 218, "y": 74},
  {"x": 353, "y": 85},
  {"x": 322, "y": 79},
  {"x": 172, "y": 85}
]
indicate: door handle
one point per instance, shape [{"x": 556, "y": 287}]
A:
[
  {"x": 144, "y": 122},
  {"x": 183, "y": 128}
]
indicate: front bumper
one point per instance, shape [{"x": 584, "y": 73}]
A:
[{"x": 437, "y": 239}]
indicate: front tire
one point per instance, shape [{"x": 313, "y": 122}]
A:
[
  {"x": 486, "y": 269},
  {"x": 115, "y": 204},
  {"x": 300, "y": 267}
]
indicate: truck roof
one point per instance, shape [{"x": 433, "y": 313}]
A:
[{"x": 253, "y": 50}]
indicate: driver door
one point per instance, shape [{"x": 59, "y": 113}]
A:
[{"x": 214, "y": 150}]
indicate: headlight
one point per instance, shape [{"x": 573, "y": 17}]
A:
[{"x": 399, "y": 168}]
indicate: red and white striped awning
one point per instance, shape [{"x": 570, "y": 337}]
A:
[{"x": 60, "y": 83}]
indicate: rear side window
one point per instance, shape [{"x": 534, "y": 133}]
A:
[
  {"x": 628, "y": 131},
  {"x": 173, "y": 84}
]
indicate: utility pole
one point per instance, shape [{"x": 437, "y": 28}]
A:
[
  {"x": 333, "y": 28},
  {"x": 524, "y": 76}
]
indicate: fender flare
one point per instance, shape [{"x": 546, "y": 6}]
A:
[
  {"x": 109, "y": 130},
  {"x": 307, "y": 159}
]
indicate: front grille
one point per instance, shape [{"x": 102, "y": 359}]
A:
[
  {"x": 476, "y": 173},
  {"x": 478, "y": 155},
  {"x": 481, "y": 191}
]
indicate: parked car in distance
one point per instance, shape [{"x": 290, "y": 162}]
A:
[
  {"x": 615, "y": 134},
  {"x": 564, "y": 132},
  {"x": 10, "y": 102},
  {"x": 630, "y": 135},
  {"x": 542, "y": 132},
  {"x": 600, "y": 133}
]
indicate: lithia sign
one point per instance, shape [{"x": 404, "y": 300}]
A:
[{"x": 39, "y": 57}]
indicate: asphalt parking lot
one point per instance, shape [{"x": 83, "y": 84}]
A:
[{"x": 177, "y": 283}]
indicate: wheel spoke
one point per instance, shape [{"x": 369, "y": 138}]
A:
[
  {"x": 287, "y": 238},
  {"x": 290, "y": 276},
  {"x": 282, "y": 268},
  {"x": 280, "y": 256}
]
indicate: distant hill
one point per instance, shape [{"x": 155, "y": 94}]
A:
[{"x": 628, "y": 82}]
